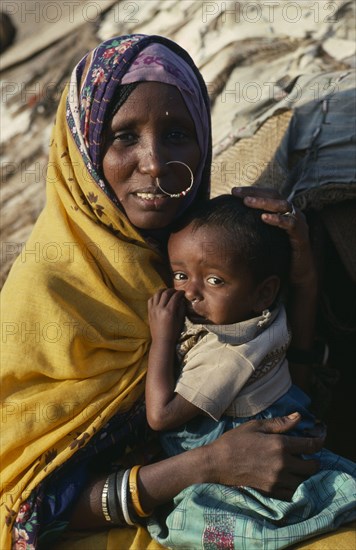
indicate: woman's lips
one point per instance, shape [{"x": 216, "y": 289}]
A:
[
  {"x": 149, "y": 199},
  {"x": 150, "y": 196}
]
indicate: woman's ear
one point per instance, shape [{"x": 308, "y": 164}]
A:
[{"x": 266, "y": 293}]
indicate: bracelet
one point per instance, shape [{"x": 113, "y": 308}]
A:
[
  {"x": 134, "y": 493},
  {"x": 104, "y": 501},
  {"x": 124, "y": 495},
  {"x": 118, "y": 482},
  {"x": 114, "y": 508}
]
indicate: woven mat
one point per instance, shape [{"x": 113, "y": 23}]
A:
[{"x": 250, "y": 160}]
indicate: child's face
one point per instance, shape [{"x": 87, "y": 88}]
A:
[{"x": 218, "y": 289}]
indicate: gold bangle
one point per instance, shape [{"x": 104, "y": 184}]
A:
[{"x": 134, "y": 492}]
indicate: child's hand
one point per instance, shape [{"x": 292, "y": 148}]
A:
[{"x": 166, "y": 311}]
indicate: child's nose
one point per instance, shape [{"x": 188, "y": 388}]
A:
[{"x": 193, "y": 292}]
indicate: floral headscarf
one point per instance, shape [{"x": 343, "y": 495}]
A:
[{"x": 126, "y": 60}]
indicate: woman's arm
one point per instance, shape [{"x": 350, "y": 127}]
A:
[
  {"x": 302, "y": 300},
  {"x": 303, "y": 278},
  {"x": 164, "y": 408},
  {"x": 256, "y": 454}
]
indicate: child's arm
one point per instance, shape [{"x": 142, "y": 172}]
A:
[{"x": 165, "y": 409}]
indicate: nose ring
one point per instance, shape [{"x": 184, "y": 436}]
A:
[{"x": 182, "y": 193}]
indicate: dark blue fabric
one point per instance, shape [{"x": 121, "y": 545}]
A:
[
  {"x": 203, "y": 429},
  {"x": 53, "y": 501}
]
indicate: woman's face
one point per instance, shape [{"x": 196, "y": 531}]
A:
[{"x": 152, "y": 128}]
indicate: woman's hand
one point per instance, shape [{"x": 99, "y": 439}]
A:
[
  {"x": 302, "y": 269},
  {"x": 166, "y": 314},
  {"x": 258, "y": 455}
]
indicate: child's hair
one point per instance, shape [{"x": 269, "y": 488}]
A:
[{"x": 265, "y": 249}]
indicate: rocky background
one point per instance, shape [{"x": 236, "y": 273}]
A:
[{"x": 250, "y": 53}]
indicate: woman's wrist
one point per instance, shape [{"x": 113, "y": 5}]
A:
[
  {"x": 178, "y": 473},
  {"x": 306, "y": 283},
  {"x": 302, "y": 307},
  {"x": 95, "y": 505},
  {"x": 87, "y": 512}
]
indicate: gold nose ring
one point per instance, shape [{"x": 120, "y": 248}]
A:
[{"x": 182, "y": 193}]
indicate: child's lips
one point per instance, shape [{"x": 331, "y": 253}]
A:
[{"x": 194, "y": 315}]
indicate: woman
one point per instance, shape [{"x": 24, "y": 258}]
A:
[{"x": 130, "y": 151}]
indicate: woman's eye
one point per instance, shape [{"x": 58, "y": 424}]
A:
[
  {"x": 178, "y": 276},
  {"x": 178, "y": 135},
  {"x": 125, "y": 137},
  {"x": 215, "y": 281}
]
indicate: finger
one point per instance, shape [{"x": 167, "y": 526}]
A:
[
  {"x": 171, "y": 300},
  {"x": 289, "y": 224},
  {"x": 284, "y": 488},
  {"x": 155, "y": 300},
  {"x": 292, "y": 475},
  {"x": 276, "y": 210},
  {"x": 178, "y": 297},
  {"x": 295, "y": 471},
  {"x": 302, "y": 468},
  {"x": 292, "y": 445},
  {"x": 303, "y": 445},
  {"x": 271, "y": 204},
  {"x": 279, "y": 424},
  {"x": 181, "y": 306},
  {"x": 166, "y": 296}
]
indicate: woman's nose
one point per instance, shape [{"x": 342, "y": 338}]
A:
[{"x": 152, "y": 161}]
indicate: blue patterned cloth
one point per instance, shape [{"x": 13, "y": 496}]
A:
[{"x": 213, "y": 517}]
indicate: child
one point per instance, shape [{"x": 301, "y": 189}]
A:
[{"x": 229, "y": 269}]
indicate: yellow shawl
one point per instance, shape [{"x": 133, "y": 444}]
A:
[
  {"x": 74, "y": 308},
  {"x": 74, "y": 318}
]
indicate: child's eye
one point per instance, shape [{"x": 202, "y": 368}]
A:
[
  {"x": 179, "y": 276},
  {"x": 215, "y": 281}
]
